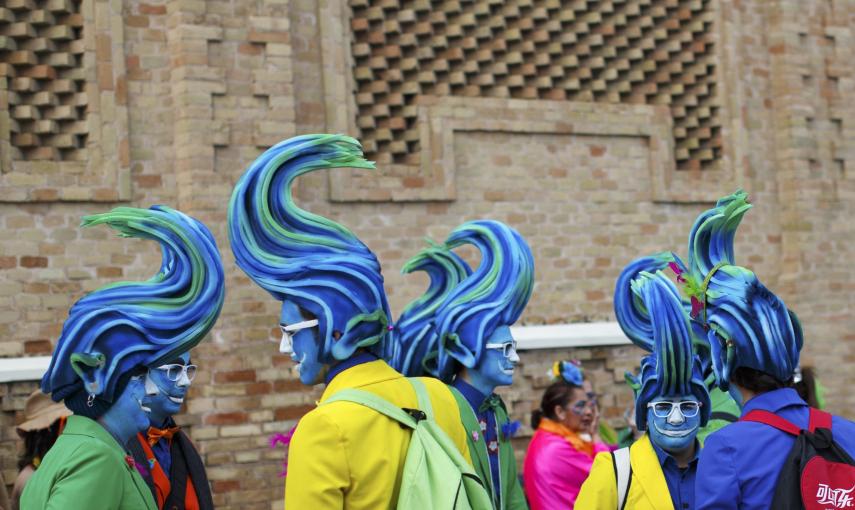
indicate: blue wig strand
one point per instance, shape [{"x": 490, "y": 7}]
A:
[
  {"x": 416, "y": 339},
  {"x": 306, "y": 258},
  {"x": 494, "y": 295},
  {"x": 130, "y": 324}
]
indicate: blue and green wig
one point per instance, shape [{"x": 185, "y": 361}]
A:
[
  {"x": 125, "y": 326},
  {"x": 651, "y": 313},
  {"x": 310, "y": 260},
  {"x": 494, "y": 295},
  {"x": 746, "y": 325},
  {"x": 416, "y": 340}
]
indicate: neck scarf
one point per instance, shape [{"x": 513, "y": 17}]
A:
[{"x": 573, "y": 438}]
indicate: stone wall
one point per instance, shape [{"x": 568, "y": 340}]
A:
[{"x": 180, "y": 95}]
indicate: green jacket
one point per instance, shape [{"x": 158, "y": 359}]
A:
[
  {"x": 513, "y": 497},
  {"x": 86, "y": 468}
]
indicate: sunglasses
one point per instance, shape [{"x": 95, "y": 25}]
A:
[
  {"x": 174, "y": 371},
  {"x": 506, "y": 347},
  {"x": 288, "y": 332},
  {"x": 664, "y": 408}
]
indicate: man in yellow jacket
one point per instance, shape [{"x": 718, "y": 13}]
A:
[
  {"x": 335, "y": 325},
  {"x": 672, "y": 401}
]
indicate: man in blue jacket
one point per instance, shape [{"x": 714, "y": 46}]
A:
[{"x": 754, "y": 344}]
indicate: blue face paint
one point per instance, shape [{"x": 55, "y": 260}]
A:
[
  {"x": 674, "y": 432},
  {"x": 303, "y": 345},
  {"x": 127, "y": 415},
  {"x": 163, "y": 396},
  {"x": 495, "y": 368}
]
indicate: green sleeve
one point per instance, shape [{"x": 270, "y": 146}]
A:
[
  {"x": 516, "y": 498},
  {"x": 90, "y": 479}
]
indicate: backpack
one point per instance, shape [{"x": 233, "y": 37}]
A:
[
  {"x": 818, "y": 474},
  {"x": 436, "y": 475}
]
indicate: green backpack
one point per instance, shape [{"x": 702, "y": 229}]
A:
[{"x": 436, "y": 475}]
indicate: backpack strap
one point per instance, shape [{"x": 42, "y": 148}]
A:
[
  {"x": 819, "y": 420},
  {"x": 422, "y": 394},
  {"x": 372, "y": 401},
  {"x": 623, "y": 474},
  {"x": 773, "y": 420}
]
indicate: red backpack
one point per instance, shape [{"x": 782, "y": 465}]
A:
[{"x": 818, "y": 474}]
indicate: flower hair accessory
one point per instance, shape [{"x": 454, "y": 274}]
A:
[
  {"x": 569, "y": 371},
  {"x": 697, "y": 294}
]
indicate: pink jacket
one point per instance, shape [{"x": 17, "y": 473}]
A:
[{"x": 554, "y": 471}]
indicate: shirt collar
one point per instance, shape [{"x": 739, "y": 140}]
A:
[
  {"x": 665, "y": 458},
  {"x": 341, "y": 366},
  {"x": 469, "y": 392},
  {"x": 773, "y": 401}
]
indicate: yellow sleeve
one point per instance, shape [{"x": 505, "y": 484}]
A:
[
  {"x": 318, "y": 467},
  {"x": 600, "y": 489}
]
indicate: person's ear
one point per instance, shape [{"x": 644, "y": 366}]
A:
[
  {"x": 560, "y": 413},
  {"x": 92, "y": 369}
]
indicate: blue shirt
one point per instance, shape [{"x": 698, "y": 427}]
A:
[
  {"x": 739, "y": 465},
  {"x": 681, "y": 481},
  {"x": 487, "y": 420}
]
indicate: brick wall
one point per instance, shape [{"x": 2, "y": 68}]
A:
[{"x": 190, "y": 92}]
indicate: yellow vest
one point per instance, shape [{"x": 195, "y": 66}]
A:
[
  {"x": 344, "y": 455},
  {"x": 647, "y": 489}
]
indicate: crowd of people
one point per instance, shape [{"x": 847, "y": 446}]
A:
[{"x": 723, "y": 417}]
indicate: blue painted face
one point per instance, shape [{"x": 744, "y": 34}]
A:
[
  {"x": 128, "y": 415},
  {"x": 163, "y": 395},
  {"x": 675, "y": 431},
  {"x": 496, "y": 366},
  {"x": 302, "y": 343}
]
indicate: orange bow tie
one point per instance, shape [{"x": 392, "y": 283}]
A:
[{"x": 155, "y": 434}]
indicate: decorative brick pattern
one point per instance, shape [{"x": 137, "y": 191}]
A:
[
  {"x": 41, "y": 43},
  {"x": 641, "y": 52},
  {"x": 63, "y": 95},
  {"x": 183, "y": 94}
]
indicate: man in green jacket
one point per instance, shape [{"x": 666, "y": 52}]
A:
[
  {"x": 460, "y": 332},
  {"x": 110, "y": 339}
]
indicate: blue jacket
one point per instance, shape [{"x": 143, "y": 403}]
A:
[{"x": 740, "y": 463}]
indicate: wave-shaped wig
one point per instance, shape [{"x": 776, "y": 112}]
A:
[
  {"x": 653, "y": 316},
  {"x": 746, "y": 324},
  {"x": 494, "y": 295},
  {"x": 736, "y": 320},
  {"x": 416, "y": 340},
  {"x": 126, "y": 325},
  {"x": 303, "y": 257}
]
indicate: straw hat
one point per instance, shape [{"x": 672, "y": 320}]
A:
[{"x": 40, "y": 412}]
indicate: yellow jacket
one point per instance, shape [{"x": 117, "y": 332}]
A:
[
  {"x": 647, "y": 488},
  {"x": 344, "y": 455}
]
